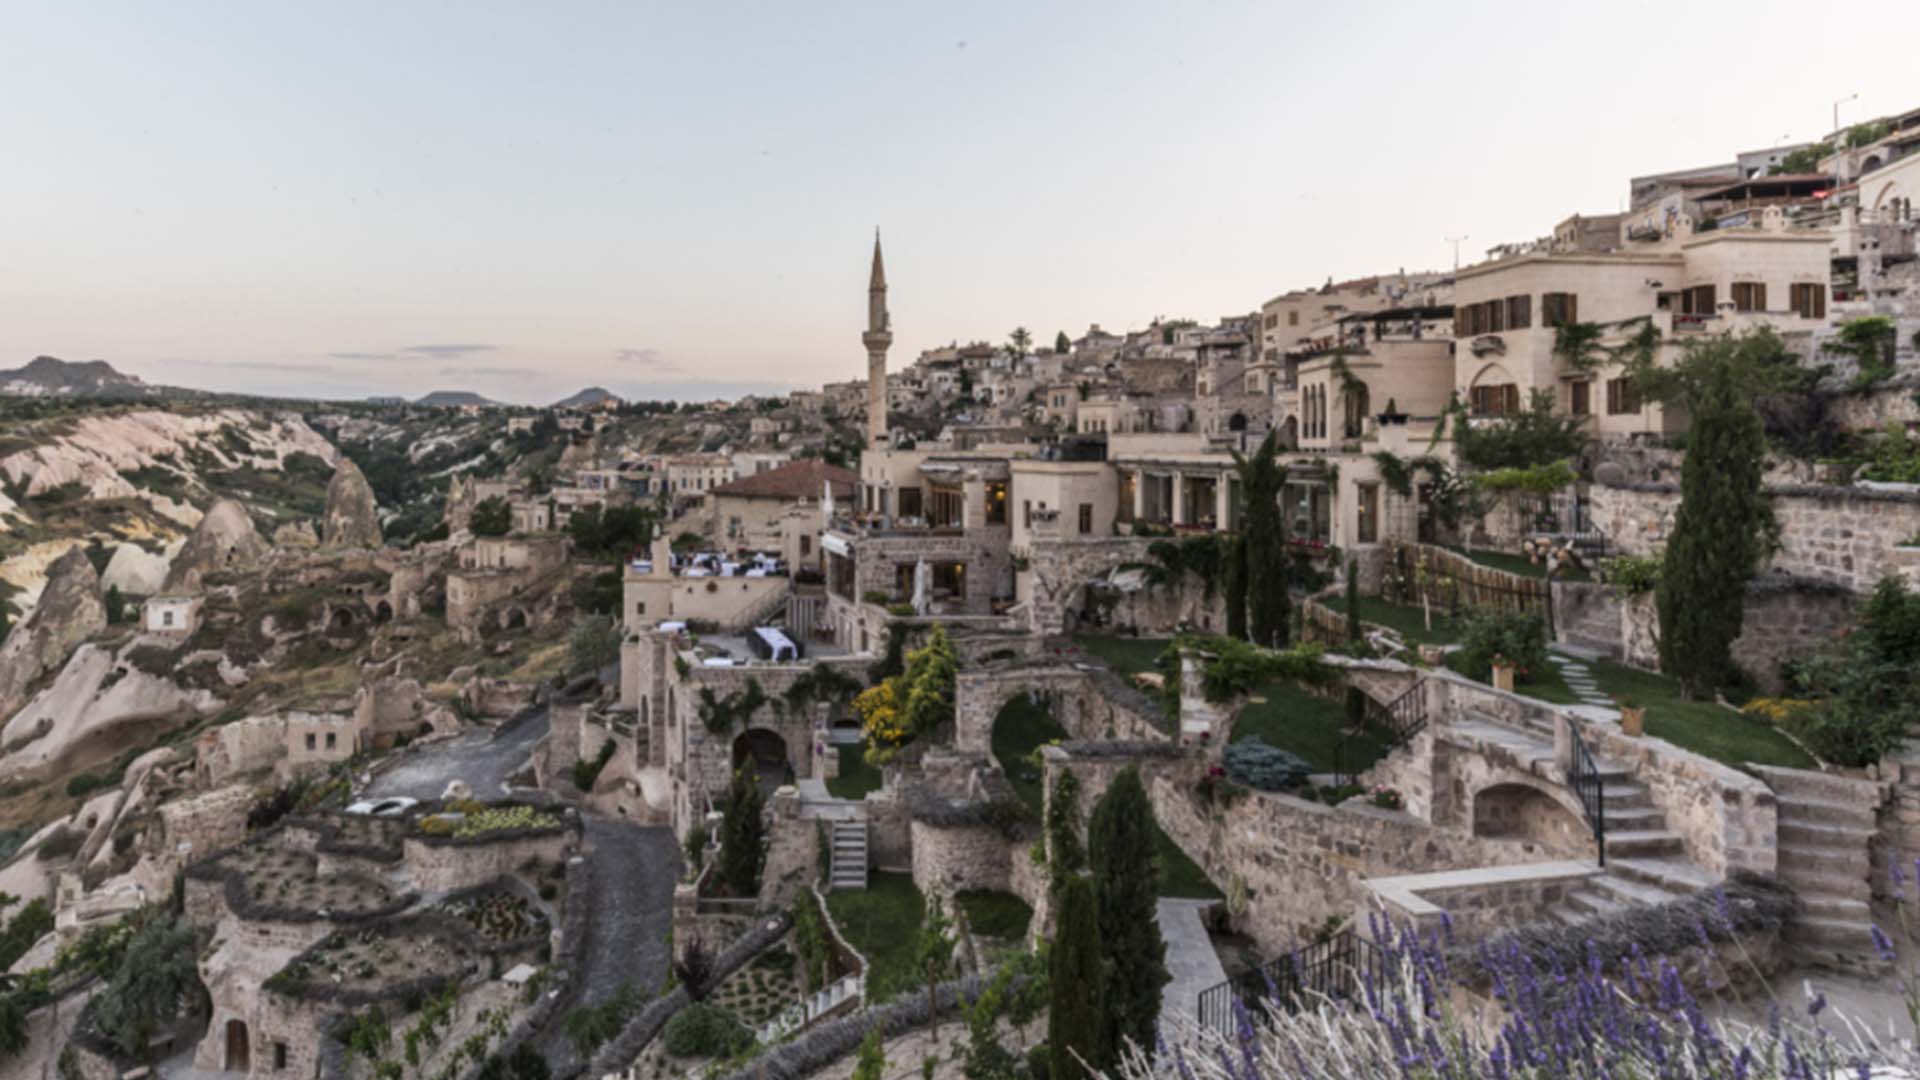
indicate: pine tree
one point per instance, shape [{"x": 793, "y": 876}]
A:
[
  {"x": 1724, "y": 529},
  {"x": 741, "y": 833},
  {"x": 1126, "y": 884},
  {"x": 1078, "y": 981},
  {"x": 1237, "y": 587},
  {"x": 1261, "y": 477},
  {"x": 1062, "y": 344}
]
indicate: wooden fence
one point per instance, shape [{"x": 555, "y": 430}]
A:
[{"x": 1453, "y": 583}]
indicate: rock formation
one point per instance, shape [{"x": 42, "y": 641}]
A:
[
  {"x": 353, "y": 518},
  {"x": 137, "y": 571},
  {"x": 296, "y": 534},
  {"x": 70, "y": 610},
  {"x": 224, "y": 539}
]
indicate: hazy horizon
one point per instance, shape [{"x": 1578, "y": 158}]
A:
[{"x": 368, "y": 200}]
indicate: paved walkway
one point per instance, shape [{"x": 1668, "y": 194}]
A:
[
  {"x": 1579, "y": 679},
  {"x": 815, "y": 802},
  {"x": 1190, "y": 957},
  {"x": 482, "y": 757}
]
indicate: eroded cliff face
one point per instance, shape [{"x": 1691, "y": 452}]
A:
[
  {"x": 225, "y": 539},
  {"x": 69, "y": 611},
  {"x": 353, "y": 518}
]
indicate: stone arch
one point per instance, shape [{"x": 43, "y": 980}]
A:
[
  {"x": 382, "y": 611},
  {"x": 239, "y": 1056},
  {"x": 1237, "y": 422},
  {"x": 514, "y": 618},
  {"x": 768, "y": 751},
  {"x": 1491, "y": 375},
  {"x": 341, "y": 619},
  {"x": 1516, "y": 810}
]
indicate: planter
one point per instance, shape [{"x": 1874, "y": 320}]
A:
[
  {"x": 1633, "y": 720},
  {"x": 1503, "y": 677}
]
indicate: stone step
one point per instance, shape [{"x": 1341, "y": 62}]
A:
[
  {"x": 1630, "y": 842},
  {"x": 1788, "y": 783},
  {"x": 1823, "y": 812},
  {"x": 1837, "y": 861},
  {"x": 1624, "y": 797},
  {"x": 1846, "y": 909},
  {"x": 1629, "y": 893},
  {"x": 1593, "y": 902},
  {"x": 1634, "y": 819},
  {"x": 1852, "y": 935},
  {"x": 1676, "y": 876},
  {"x": 1796, "y": 833},
  {"x": 1810, "y": 882}
]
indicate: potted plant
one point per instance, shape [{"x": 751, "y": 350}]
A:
[
  {"x": 1633, "y": 716},
  {"x": 1503, "y": 672}
]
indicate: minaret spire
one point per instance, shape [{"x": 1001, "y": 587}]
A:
[{"x": 877, "y": 339}]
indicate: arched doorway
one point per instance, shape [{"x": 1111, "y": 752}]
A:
[
  {"x": 513, "y": 619},
  {"x": 1024, "y": 723},
  {"x": 239, "y": 1054},
  {"x": 1514, "y": 811},
  {"x": 342, "y": 619},
  {"x": 767, "y": 750},
  {"x": 382, "y": 611}
]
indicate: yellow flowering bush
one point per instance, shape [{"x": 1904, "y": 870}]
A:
[
  {"x": 911, "y": 704},
  {"x": 1774, "y": 710},
  {"x": 879, "y": 709}
]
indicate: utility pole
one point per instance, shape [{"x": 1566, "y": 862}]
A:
[
  {"x": 1836, "y": 110},
  {"x": 1455, "y": 241}
]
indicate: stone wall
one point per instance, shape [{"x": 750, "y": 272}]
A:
[
  {"x": 949, "y": 859},
  {"x": 1089, "y": 705},
  {"x": 1060, "y": 570},
  {"x": 1896, "y": 841},
  {"x": 1845, "y": 536},
  {"x": 793, "y": 852},
  {"x": 209, "y": 822},
  {"x": 889, "y": 830},
  {"x": 1475, "y": 902},
  {"x": 446, "y": 866}
]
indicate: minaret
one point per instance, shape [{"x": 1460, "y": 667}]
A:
[{"x": 878, "y": 337}]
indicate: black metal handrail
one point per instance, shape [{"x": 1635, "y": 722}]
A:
[
  {"x": 1583, "y": 776},
  {"x": 1336, "y": 968},
  {"x": 1402, "y": 718}
]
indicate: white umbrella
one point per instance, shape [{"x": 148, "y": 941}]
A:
[
  {"x": 922, "y": 588},
  {"x": 826, "y": 504}
]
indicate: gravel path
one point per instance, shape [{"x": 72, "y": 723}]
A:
[
  {"x": 634, "y": 870},
  {"x": 483, "y": 758}
]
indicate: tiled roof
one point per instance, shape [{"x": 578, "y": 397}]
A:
[{"x": 800, "y": 479}]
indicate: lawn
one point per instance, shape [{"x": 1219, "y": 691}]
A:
[
  {"x": 1703, "y": 727},
  {"x": 882, "y": 923},
  {"x": 1410, "y": 622},
  {"x": 1180, "y": 877},
  {"x": 1127, "y": 655},
  {"x": 856, "y": 776},
  {"x": 995, "y": 914},
  {"x": 1020, "y": 729},
  {"x": 1306, "y": 724},
  {"x": 1518, "y": 564}
]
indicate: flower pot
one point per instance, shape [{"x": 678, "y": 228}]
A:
[
  {"x": 1503, "y": 677},
  {"x": 1633, "y": 720}
]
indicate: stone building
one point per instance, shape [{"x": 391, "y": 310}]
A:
[{"x": 508, "y": 582}]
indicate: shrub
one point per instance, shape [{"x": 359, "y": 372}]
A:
[
  {"x": 1253, "y": 763},
  {"x": 1519, "y": 637},
  {"x": 1633, "y": 574},
  {"x": 702, "y": 1030},
  {"x": 1870, "y": 695}
]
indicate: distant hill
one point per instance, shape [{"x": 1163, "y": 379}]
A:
[
  {"x": 48, "y": 376},
  {"x": 452, "y": 398},
  {"x": 587, "y": 399}
]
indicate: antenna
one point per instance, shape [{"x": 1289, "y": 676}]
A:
[{"x": 1455, "y": 241}]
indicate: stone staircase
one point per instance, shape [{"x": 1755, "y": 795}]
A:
[
  {"x": 1826, "y": 823},
  {"x": 849, "y": 855},
  {"x": 1646, "y": 863}
]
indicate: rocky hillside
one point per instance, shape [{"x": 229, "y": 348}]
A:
[{"x": 48, "y": 376}]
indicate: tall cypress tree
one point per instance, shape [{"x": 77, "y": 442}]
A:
[
  {"x": 1724, "y": 529},
  {"x": 1264, "y": 530},
  {"x": 1237, "y": 586},
  {"x": 1077, "y": 979},
  {"x": 741, "y": 833},
  {"x": 1126, "y": 883}
]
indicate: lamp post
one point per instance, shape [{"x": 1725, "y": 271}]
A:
[{"x": 1836, "y": 110}]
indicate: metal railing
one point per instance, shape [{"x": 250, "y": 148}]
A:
[
  {"x": 1583, "y": 776},
  {"x": 1336, "y": 968},
  {"x": 1402, "y": 718}
]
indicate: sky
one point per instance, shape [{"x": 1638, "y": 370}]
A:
[{"x": 679, "y": 199}]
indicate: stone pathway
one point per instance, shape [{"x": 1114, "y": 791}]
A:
[
  {"x": 1190, "y": 957},
  {"x": 1579, "y": 679}
]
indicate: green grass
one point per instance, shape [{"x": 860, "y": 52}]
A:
[
  {"x": 995, "y": 914},
  {"x": 1180, "y": 877},
  {"x": 856, "y": 776},
  {"x": 1309, "y": 725},
  {"x": 1703, "y": 727},
  {"x": 1127, "y": 655},
  {"x": 1518, "y": 564},
  {"x": 1409, "y": 621},
  {"x": 1021, "y": 728},
  {"x": 882, "y": 923}
]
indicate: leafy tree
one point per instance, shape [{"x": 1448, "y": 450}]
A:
[
  {"x": 1534, "y": 436},
  {"x": 1019, "y": 342},
  {"x": 593, "y": 643},
  {"x": 871, "y": 1061},
  {"x": 116, "y": 605},
  {"x": 985, "y": 1058},
  {"x": 1804, "y": 160},
  {"x": 933, "y": 956},
  {"x": 1724, "y": 529},
  {"x": 1077, "y": 976},
  {"x": 585, "y": 529},
  {"x": 158, "y": 979},
  {"x": 1066, "y": 855},
  {"x": 1126, "y": 880},
  {"x": 913, "y": 704},
  {"x": 1062, "y": 343},
  {"x": 492, "y": 517},
  {"x": 28, "y": 925},
  {"x": 742, "y": 833},
  {"x": 1868, "y": 685},
  {"x": 1265, "y": 541}
]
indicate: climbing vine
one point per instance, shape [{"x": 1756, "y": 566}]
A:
[{"x": 721, "y": 714}]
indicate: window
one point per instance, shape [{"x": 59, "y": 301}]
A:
[
  {"x": 1749, "y": 296},
  {"x": 1578, "y": 394},
  {"x": 909, "y": 499},
  {"x": 806, "y": 545},
  {"x": 1699, "y": 300},
  {"x": 1368, "y": 512},
  {"x": 997, "y": 503},
  {"x": 1502, "y": 400},
  {"x": 1621, "y": 399},
  {"x": 310, "y": 740},
  {"x": 1809, "y": 301},
  {"x": 1026, "y": 513},
  {"x": 279, "y": 1056},
  {"x": 1293, "y": 318},
  {"x": 331, "y": 737},
  {"x": 640, "y": 607},
  {"x": 166, "y": 618},
  {"x": 1272, "y": 321},
  {"x": 1086, "y": 518},
  {"x": 1519, "y": 312},
  {"x": 1559, "y": 309}
]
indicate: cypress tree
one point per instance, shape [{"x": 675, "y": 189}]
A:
[
  {"x": 1261, "y": 477},
  {"x": 1237, "y": 587},
  {"x": 741, "y": 833},
  {"x": 1075, "y": 1015},
  {"x": 1126, "y": 882},
  {"x": 1353, "y": 601},
  {"x": 1723, "y": 531}
]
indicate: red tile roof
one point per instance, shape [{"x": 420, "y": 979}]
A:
[{"x": 799, "y": 479}]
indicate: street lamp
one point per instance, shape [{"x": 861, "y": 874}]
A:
[{"x": 1836, "y": 110}]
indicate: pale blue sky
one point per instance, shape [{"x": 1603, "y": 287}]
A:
[{"x": 332, "y": 198}]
